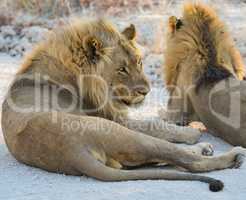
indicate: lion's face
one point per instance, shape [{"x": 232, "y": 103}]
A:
[
  {"x": 125, "y": 75},
  {"x": 120, "y": 64}
]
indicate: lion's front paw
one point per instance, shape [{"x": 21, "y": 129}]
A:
[
  {"x": 198, "y": 125},
  {"x": 192, "y": 136}
]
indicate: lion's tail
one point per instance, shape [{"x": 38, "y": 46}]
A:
[{"x": 98, "y": 170}]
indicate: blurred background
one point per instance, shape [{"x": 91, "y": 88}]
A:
[{"x": 25, "y": 22}]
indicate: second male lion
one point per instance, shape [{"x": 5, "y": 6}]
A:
[
  {"x": 66, "y": 112},
  {"x": 202, "y": 69}
]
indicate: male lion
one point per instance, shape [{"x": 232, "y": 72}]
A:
[
  {"x": 59, "y": 112},
  {"x": 203, "y": 73}
]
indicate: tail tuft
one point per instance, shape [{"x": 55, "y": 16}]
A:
[{"x": 216, "y": 186}]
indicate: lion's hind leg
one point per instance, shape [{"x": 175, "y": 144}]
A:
[
  {"x": 86, "y": 150},
  {"x": 88, "y": 165}
]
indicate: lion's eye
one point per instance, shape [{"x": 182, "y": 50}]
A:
[
  {"x": 123, "y": 70},
  {"x": 140, "y": 63}
]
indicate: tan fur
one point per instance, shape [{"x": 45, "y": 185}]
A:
[
  {"x": 66, "y": 46},
  {"x": 185, "y": 50},
  {"x": 44, "y": 135},
  {"x": 201, "y": 53}
]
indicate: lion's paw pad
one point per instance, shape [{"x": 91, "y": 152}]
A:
[{"x": 207, "y": 149}]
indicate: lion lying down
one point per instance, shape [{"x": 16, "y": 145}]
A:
[
  {"x": 203, "y": 73},
  {"x": 66, "y": 112}
]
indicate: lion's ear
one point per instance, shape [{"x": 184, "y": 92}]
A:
[
  {"x": 92, "y": 46},
  {"x": 174, "y": 24},
  {"x": 130, "y": 32}
]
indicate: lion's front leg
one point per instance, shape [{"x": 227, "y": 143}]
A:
[{"x": 163, "y": 130}]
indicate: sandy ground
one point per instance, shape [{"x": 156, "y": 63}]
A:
[{"x": 20, "y": 182}]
